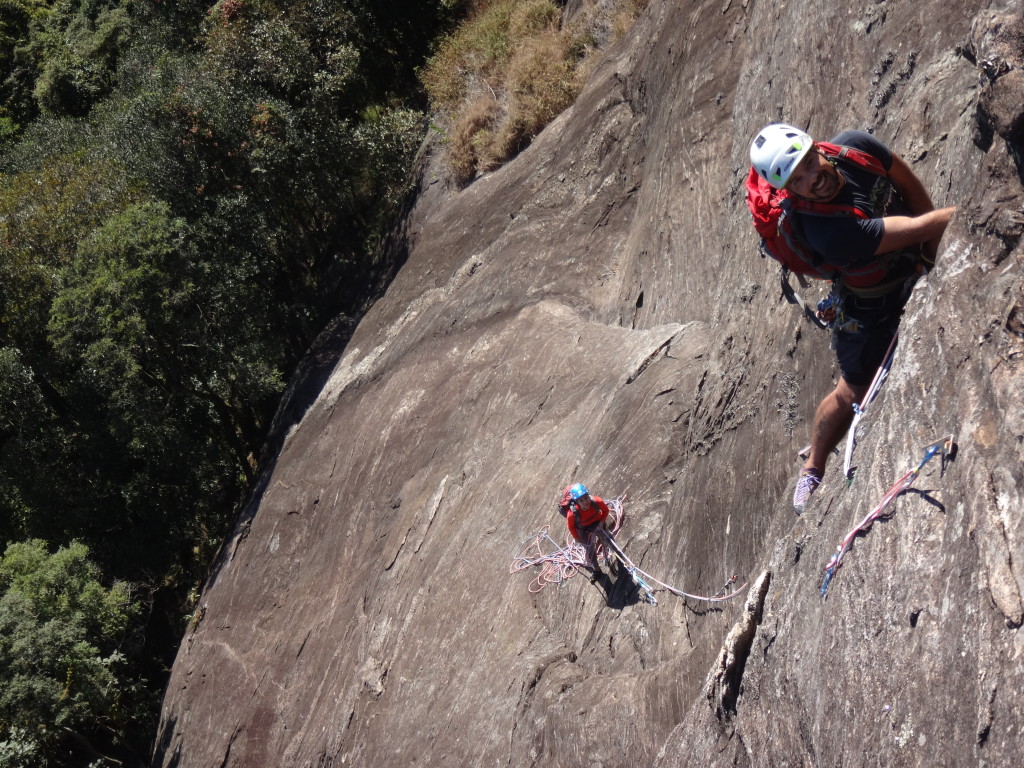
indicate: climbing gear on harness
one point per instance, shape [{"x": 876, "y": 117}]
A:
[
  {"x": 944, "y": 447},
  {"x": 831, "y": 312},
  {"x": 860, "y": 408},
  {"x": 828, "y": 309},
  {"x": 807, "y": 483},
  {"x": 777, "y": 150}
]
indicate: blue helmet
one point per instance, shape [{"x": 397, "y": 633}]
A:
[{"x": 578, "y": 491}]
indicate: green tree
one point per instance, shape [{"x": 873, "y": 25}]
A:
[
  {"x": 75, "y": 52},
  {"x": 44, "y": 426},
  {"x": 17, "y": 106},
  {"x": 63, "y": 690},
  {"x": 176, "y": 348},
  {"x": 164, "y": 265},
  {"x": 189, "y": 193}
]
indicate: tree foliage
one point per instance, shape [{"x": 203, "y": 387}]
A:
[
  {"x": 63, "y": 638},
  {"x": 189, "y": 192}
]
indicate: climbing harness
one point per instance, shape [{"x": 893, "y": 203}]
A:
[
  {"x": 945, "y": 447},
  {"x": 563, "y": 562},
  {"x": 859, "y": 409}
]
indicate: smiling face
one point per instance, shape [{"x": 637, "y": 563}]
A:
[{"x": 815, "y": 178}]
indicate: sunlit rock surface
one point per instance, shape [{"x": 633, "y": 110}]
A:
[{"x": 596, "y": 311}]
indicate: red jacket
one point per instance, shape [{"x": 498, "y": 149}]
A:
[{"x": 596, "y": 513}]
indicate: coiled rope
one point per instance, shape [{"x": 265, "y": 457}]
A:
[{"x": 563, "y": 562}]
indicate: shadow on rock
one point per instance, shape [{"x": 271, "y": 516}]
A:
[
  {"x": 926, "y": 496},
  {"x": 621, "y": 591}
]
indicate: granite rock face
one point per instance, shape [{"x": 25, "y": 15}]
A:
[{"x": 597, "y": 311}]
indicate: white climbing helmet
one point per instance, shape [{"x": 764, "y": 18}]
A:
[{"x": 777, "y": 150}]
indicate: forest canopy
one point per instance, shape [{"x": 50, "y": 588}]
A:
[{"x": 190, "y": 193}]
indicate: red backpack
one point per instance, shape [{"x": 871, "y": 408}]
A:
[{"x": 771, "y": 210}]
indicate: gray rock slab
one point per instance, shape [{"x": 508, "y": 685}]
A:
[{"x": 596, "y": 311}]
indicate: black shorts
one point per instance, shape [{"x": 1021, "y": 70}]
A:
[{"x": 861, "y": 353}]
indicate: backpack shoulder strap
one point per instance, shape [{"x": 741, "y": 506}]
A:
[
  {"x": 855, "y": 157},
  {"x": 824, "y": 209}
]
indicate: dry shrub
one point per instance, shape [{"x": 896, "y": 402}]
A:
[
  {"x": 531, "y": 17},
  {"x": 471, "y": 139},
  {"x": 626, "y": 16},
  {"x": 541, "y": 82},
  {"x": 479, "y": 49},
  {"x": 527, "y": 67},
  {"x": 444, "y": 77}
]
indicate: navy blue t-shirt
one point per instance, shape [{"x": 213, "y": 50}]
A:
[{"x": 848, "y": 241}]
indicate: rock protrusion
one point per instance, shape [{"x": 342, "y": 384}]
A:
[{"x": 726, "y": 677}]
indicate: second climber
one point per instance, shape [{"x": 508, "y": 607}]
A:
[{"x": 584, "y": 515}]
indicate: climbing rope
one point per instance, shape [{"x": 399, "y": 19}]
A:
[
  {"x": 644, "y": 580},
  {"x": 945, "y": 446},
  {"x": 562, "y": 562},
  {"x": 555, "y": 566},
  {"x": 860, "y": 408}
]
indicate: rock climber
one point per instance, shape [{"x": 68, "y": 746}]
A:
[
  {"x": 892, "y": 240},
  {"x": 584, "y": 514}
]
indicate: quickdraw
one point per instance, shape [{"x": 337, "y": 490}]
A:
[{"x": 946, "y": 447}]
